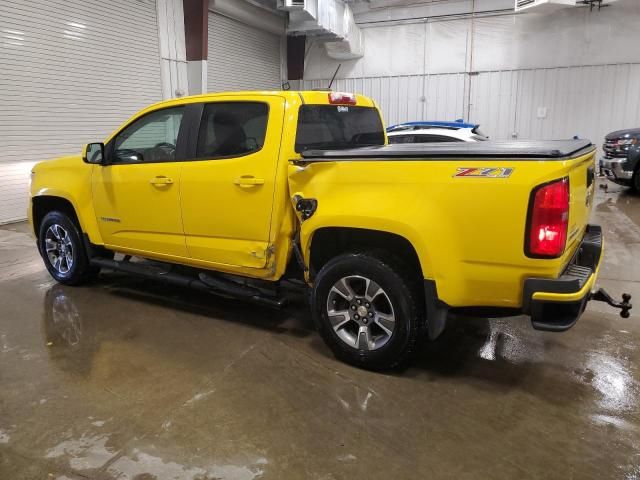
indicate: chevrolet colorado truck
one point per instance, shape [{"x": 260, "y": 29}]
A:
[{"x": 238, "y": 193}]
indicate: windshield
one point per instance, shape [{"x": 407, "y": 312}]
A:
[{"x": 338, "y": 126}]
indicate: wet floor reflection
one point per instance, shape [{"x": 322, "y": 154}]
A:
[
  {"x": 503, "y": 353},
  {"x": 69, "y": 335},
  {"x": 63, "y": 323},
  {"x": 622, "y": 198}
]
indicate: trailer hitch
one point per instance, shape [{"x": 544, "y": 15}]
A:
[{"x": 602, "y": 296}]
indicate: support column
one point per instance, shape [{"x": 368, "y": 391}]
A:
[
  {"x": 295, "y": 57},
  {"x": 196, "y": 29},
  {"x": 173, "y": 64}
]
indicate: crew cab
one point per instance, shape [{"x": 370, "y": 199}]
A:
[{"x": 238, "y": 193}]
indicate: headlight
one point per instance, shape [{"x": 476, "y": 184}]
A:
[{"x": 627, "y": 141}]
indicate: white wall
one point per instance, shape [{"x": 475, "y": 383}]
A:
[
  {"x": 501, "y": 40},
  {"x": 407, "y": 96},
  {"x": 577, "y": 69}
]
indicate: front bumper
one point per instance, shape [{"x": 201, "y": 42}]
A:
[
  {"x": 556, "y": 304},
  {"x": 612, "y": 168}
]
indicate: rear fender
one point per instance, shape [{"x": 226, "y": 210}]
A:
[{"x": 312, "y": 226}]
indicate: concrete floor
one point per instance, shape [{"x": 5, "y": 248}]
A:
[{"x": 127, "y": 380}]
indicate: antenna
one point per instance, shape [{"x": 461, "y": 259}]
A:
[{"x": 334, "y": 76}]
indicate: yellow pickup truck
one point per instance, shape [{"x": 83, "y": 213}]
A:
[{"x": 237, "y": 193}]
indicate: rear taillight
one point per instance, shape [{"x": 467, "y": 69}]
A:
[
  {"x": 340, "y": 98},
  {"x": 548, "y": 220}
]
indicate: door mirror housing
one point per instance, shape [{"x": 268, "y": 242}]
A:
[{"x": 93, "y": 153}]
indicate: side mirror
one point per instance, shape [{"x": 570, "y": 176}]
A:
[{"x": 93, "y": 153}]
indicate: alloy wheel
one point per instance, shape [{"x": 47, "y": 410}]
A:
[
  {"x": 59, "y": 248},
  {"x": 361, "y": 313}
]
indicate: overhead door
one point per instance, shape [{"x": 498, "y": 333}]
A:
[
  {"x": 241, "y": 57},
  {"x": 72, "y": 71}
]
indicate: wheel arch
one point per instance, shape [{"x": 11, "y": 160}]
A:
[
  {"x": 329, "y": 241},
  {"x": 326, "y": 242},
  {"x": 43, "y": 204},
  {"x": 78, "y": 204}
]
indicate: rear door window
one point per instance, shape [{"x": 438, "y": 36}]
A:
[
  {"x": 232, "y": 129},
  {"x": 338, "y": 126}
]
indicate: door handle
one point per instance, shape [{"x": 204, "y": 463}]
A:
[
  {"x": 161, "y": 180},
  {"x": 247, "y": 181}
]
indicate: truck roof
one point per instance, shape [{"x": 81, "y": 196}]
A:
[
  {"x": 314, "y": 97},
  {"x": 515, "y": 149}
]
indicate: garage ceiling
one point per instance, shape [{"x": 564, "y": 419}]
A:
[{"x": 268, "y": 4}]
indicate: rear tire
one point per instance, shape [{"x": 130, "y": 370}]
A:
[
  {"x": 367, "y": 311},
  {"x": 63, "y": 251}
]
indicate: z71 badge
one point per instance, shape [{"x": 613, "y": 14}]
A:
[{"x": 488, "y": 172}]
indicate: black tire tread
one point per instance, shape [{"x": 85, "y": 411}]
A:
[
  {"x": 406, "y": 283},
  {"x": 83, "y": 272},
  {"x": 635, "y": 181}
]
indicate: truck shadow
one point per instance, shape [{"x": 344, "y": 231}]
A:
[
  {"x": 496, "y": 354},
  {"x": 76, "y": 320}
]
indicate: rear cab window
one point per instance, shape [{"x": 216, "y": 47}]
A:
[{"x": 326, "y": 127}]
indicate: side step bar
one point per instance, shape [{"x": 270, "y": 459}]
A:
[{"x": 204, "y": 282}]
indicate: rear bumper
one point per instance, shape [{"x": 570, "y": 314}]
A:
[
  {"x": 556, "y": 304},
  {"x": 613, "y": 169}
]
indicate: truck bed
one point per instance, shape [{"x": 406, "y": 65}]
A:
[
  {"x": 472, "y": 227},
  {"x": 512, "y": 150}
]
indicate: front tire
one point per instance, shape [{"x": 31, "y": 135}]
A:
[
  {"x": 61, "y": 247},
  {"x": 367, "y": 311}
]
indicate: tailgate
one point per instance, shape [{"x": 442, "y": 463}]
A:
[{"x": 582, "y": 187}]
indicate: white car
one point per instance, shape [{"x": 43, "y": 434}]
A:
[{"x": 429, "y": 132}]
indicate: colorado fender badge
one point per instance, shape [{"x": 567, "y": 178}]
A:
[{"x": 487, "y": 172}]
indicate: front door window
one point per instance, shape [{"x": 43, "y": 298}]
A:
[{"x": 152, "y": 138}]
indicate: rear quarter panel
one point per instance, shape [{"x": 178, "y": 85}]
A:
[{"x": 468, "y": 232}]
